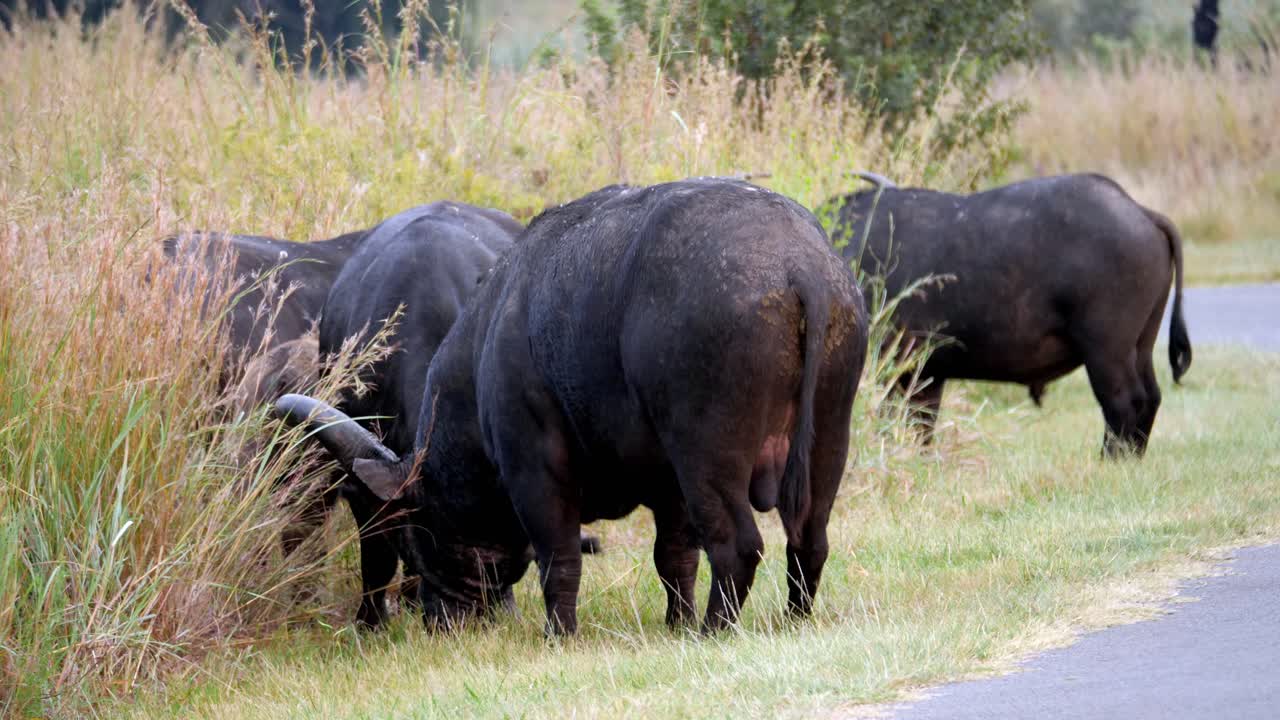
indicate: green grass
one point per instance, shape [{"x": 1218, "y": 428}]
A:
[
  {"x": 1239, "y": 261},
  {"x": 1008, "y": 538}
]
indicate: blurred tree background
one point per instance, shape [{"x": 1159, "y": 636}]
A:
[
  {"x": 335, "y": 23},
  {"x": 903, "y": 58},
  {"x": 899, "y": 43},
  {"x": 522, "y": 27}
]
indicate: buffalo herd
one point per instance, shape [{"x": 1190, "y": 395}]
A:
[{"x": 693, "y": 347}]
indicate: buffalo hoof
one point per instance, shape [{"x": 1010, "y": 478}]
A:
[
  {"x": 590, "y": 544},
  {"x": 1116, "y": 448},
  {"x": 369, "y": 618}
]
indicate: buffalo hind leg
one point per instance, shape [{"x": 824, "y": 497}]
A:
[
  {"x": 1147, "y": 371},
  {"x": 733, "y": 569},
  {"x": 560, "y": 571},
  {"x": 716, "y": 495},
  {"x": 550, "y": 517},
  {"x": 1151, "y": 400},
  {"x": 675, "y": 554},
  {"x": 806, "y": 556},
  {"x": 807, "y": 545},
  {"x": 1122, "y": 394},
  {"x": 1036, "y": 390}
]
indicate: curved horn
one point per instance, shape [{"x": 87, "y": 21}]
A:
[
  {"x": 873, "y": 178},
  {"x": 355, "y": 448}
]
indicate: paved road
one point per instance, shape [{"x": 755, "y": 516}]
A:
[
  {"x": 1231, "y": 315},
  {"x": 1216, "y": 659}
]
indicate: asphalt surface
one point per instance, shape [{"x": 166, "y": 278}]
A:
[
  {"x": 1230, "y": 315},
  {"x": 1217, "y": 658}
]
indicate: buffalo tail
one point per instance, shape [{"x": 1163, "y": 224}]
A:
[
  {"x": 793, "y": 498},
  {"x": 1179, "y": 341}
]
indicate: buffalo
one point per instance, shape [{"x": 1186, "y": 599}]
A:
[
  {"x": 427, "y": 262},
  {"x": 693, "y": 347},
  {"x": 278, "y": 290},
  {"x": 1036, "y": 278},
  {"x": 282, "y": 286}
]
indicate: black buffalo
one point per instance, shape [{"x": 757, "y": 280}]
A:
[
  {"x": 279, "y": 286},
  {"x": 1040, "y": 277},
  {"x": 693, "y": 347},
  {"x": 278, "y": 289},
  {"x": 426, "y": 261}
]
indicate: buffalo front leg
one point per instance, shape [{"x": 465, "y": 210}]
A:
[
  {"x": 311, "y": 512},
  {"x": 675, "y": 554},
  {"x": 591, "y": 544},
  {"x": 924, "y": 400},
  {"x": 301, "y": 533},
  {"x": 378, "y": 560}
]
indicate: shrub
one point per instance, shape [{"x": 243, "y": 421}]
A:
[{"x": 904, "y": 60}]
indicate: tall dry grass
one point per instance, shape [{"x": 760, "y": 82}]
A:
[
  {"x": 130, "y": 541},
  {"x": 1201, "y": 144}
]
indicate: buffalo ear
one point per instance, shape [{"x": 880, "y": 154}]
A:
[{"x": 386, "y": 480}]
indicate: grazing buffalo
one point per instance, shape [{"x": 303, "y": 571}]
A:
[
  {"x": 291, "y": 366},
  {"x": 692, "y": 347},
  {"x": 427, "y": 261},
  {"x": 266, "y": 311},
  {"x": 1039, "y": 277},
  {"x": 279, "y": 289}
]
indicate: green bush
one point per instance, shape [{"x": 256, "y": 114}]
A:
[{"x": 905, "y": 59}]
